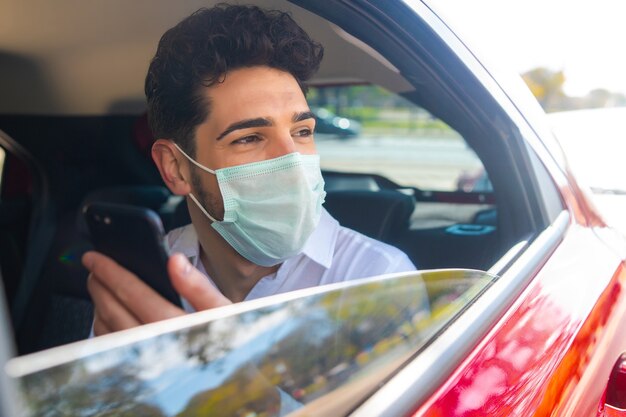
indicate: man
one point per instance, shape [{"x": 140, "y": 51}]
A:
[{"x": 226, "y": 98}]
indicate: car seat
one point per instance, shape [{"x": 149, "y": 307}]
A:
[
  {"x": 60, "y": 310},
  {"x": 381, "y": 214}
]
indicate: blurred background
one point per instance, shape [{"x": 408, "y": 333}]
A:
[{"x": 569, "y": 52}]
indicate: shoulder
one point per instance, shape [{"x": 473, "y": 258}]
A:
[
  {"x": 353, "y": 241},
  {"x": 367, "y": 256}
]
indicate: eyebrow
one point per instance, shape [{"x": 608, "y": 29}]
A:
[
  {"x": 245, "y": 124},
  {"x": 262, "y": 122},
  {"x": 298, "y": 117}
]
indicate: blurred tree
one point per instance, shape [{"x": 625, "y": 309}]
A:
[
  {"x": 547, "y": 86},
  {"x": 599, "y": 98},
  {"x": 245, "y": 393},
  {"x": 73, "y": 390}
]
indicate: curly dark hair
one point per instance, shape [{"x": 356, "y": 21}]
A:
[{"x": 201, "y": 49}]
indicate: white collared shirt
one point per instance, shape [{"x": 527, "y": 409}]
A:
[{"x": 332, "y": 254}]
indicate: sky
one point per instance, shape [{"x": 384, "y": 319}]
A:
[{"x": 584, "y": 38}]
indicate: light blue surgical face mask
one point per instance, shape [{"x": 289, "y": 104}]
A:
[{"x": 270, "y": 207}]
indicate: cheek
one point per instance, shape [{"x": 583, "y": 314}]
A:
[
  {"x": 205, "y": 187},
  {"x": 307, "y": 148}
]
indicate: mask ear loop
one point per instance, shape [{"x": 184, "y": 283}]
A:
[
  {"x": 193, "y": 198},
  {"x": 199, "y": 165},
  {"x": 206, "y": 213}
]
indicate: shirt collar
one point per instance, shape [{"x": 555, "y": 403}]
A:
[
  {"x": 320, "y": 246},
  {"x": 185, "y": 240}
]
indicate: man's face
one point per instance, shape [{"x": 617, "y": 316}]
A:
[{"x": 256, "y": 114}]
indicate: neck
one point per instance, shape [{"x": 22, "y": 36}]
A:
[{"x": 233, "y": 274}]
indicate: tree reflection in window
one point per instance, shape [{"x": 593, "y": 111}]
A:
[{"x": 309, "y": 348}]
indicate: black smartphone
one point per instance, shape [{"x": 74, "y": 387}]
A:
[{"x": 133, "y": 236}]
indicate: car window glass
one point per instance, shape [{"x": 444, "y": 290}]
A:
[
  {"x": 302, "y": 350},
  {"x": 370, "y": 130}
]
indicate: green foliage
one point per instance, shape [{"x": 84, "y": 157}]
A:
[
  {"x": 246, "y": 391},
  {"x": 547, "y": 87},
  {"x": 379, "y": 111},
  {"x": 70, "y": 390}
]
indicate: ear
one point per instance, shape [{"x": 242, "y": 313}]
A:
[{"x": 174, "y": 173}]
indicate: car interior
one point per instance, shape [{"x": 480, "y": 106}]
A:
[{"x": 73, "y": 130}]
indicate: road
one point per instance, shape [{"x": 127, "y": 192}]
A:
[{"x": 433, "y": 163}]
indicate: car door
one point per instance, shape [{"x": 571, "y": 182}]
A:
[
  {"x": 546, "y": 339},
  {"x": 541, "y": 338}
]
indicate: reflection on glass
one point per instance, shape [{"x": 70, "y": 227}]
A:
[{"x": 323, "y": 350}]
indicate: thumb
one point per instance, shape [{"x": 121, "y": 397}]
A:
[{"x": 193, "y": 285}]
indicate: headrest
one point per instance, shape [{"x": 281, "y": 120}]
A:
[{"x": 378, "y": 214}]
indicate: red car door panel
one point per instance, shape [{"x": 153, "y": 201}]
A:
[{"x": 553, "y": 351}]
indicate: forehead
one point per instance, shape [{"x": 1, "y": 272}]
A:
[{"x": 255, "y": 92}]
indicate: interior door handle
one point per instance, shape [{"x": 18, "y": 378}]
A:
[
  {"x": 615, "y": 397},
  {"x": 470, "y": 229}
]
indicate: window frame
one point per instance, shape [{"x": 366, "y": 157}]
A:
[
  {"x": 438, "y": 64},
  {"x": 473, "y": 92}
]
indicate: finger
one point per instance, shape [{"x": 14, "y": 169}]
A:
[
  {"x": 112, "y": 315},
  {"x": 193, "y": 285},
  {"x": 99, "y": 327},
  {"x": 132, "y": 293}
]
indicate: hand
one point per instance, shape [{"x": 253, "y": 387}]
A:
[{"x": 123, "y": 301}]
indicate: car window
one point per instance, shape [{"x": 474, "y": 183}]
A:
[
  {"x": 369, "y": 138},
  {"x": 304, "y": 349},
  {"x": 368, "y": 129},
  {"x": 372, "y": 139}
]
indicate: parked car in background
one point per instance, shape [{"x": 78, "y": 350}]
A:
[
  {"x": 474, "y": 181},
  {"x": 326, "y": 122},
  {"x": 518, "y": 306}
]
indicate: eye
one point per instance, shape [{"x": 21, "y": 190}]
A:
[
  {"x": 303, "y": 133},
  {"x": 246, "y": 140}
]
